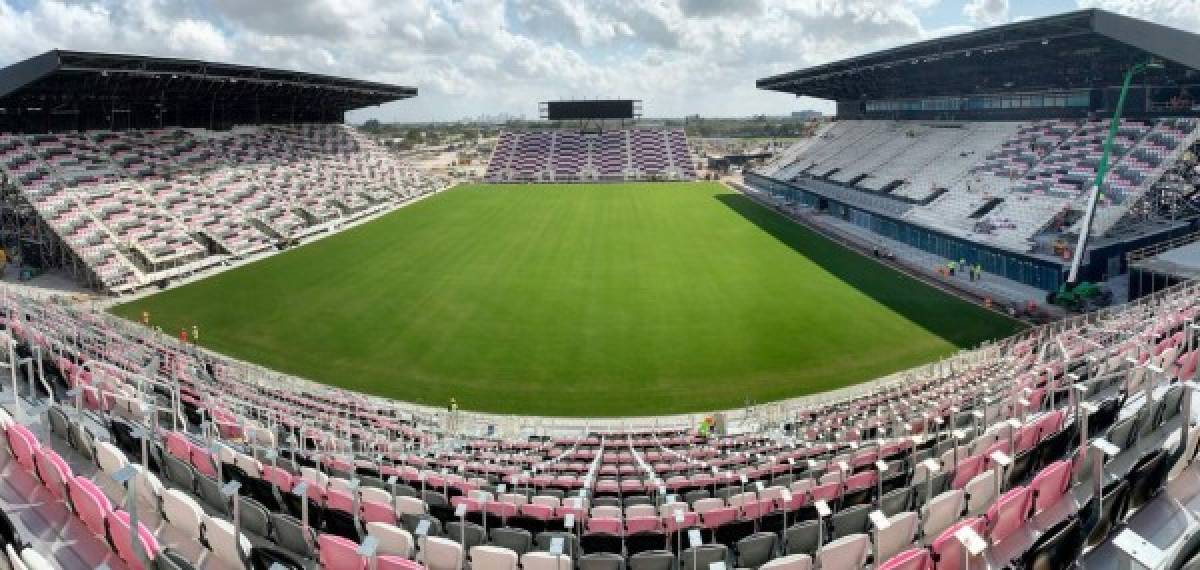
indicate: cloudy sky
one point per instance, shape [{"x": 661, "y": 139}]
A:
[{"x": 472, "y": 57}]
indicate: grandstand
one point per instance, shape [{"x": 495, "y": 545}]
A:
[
  {"x": 980, "y": 151},
  {"x": 595, "y": 145},
  {"x": 624, "y": 155},
  {"x": 126, "y": 206}
]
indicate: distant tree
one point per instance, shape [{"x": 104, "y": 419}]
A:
[{"x": 372, "y": 126}]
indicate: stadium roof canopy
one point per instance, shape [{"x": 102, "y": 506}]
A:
[
  {"x": 61, "y": 82},
  {"x": 1075, "y": 50}
]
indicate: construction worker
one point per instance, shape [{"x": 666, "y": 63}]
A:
[
  {"x": 145, "y": 318},
  {"x": 3, "y": 263},
  {"x": 195, "y": 333},
  {"x": 183, "y": 336}
]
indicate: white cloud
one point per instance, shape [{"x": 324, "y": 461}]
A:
[
  {"x": 195, "y": 37},
  {"x": 470, "y": 57},
  {"x": 1182, "y": 14},
  {"x": 986, "y": 12}
]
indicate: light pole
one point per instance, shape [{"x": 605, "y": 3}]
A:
[{"x": 1085, "y": 227}]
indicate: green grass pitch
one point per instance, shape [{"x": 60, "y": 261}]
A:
[{"x": 576, "y": 300}]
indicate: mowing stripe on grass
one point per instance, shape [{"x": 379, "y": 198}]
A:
[{"x": 576, "y": 300}]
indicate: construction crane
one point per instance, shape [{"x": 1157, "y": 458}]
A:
[{"x": 1074, "y": 294}]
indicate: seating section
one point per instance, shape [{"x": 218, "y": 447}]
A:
[
  {"x": 1026, "y": 174},
  {"x": 577, "y": 156},
  {"x": 976, "y": 462},
  {"x": 138, "y": 206}
]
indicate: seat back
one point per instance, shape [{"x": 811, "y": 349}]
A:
[
  {"x": 493, "y": 558},
  {"x": 225, "y": 543},
  {"x": 790, "y": 562},
  {"x": 1050, "y": 485},
  {"x": 898, "y": 535},
  {"x": 90, "y": 504},
  {"x": 947, "y": 550},
  {"x": 515, "y": 539},
  {"x": 755, "y": 550},
  {"x": 602, "y": 561},
  {"x": 1056, "y": 548},
  {"x": 604, "y": 525},
  {"x": 897, "y": 501},
  {"x": 704, "y": 505},
  {"x": 802, "y": 538},
  {"x": 53, "y": 471},
  {"x": 641, "y": 524},
  {"x": 966, "y": 470},
  {"x": 544, "y": 561},
  {"x": 850, "y": 521},
  {"x": 700, "y": 557},
  {"x": 652, "y": 560},
  {"x": 388, "y": 562},
  {"x": 291, "y": 534},
  {"x": 914, "y": 559},
  {"x": 981, "y": 492},
  {"x": 1008, "y": 513},
  {"x": 182, "y": 512},
  {"x": 337, "y": 553},
  {"x": 256, "y": 519},
  {"x": 941, "y": 512},
  {"x": 24, "y": 445},
  {"x": 717, "y": 517},
  {"x": 846, "y": 553},
  {"x": 393, "y": 540},
  {"x": 122, "y": 538},
  {"x": 442, "y": 553}
]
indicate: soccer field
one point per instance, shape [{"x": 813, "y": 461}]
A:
[{"x": 576, "y": 300}]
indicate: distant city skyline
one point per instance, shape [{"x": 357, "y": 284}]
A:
[{"x": 472, "y": 58}]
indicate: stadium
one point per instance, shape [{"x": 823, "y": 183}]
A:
[{"x": 953, "y": 328}]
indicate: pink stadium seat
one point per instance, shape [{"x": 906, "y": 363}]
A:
[
  {"x": 473, "y": 505},
  {"x": 53, "y": 472},
  {"x": 1050, "y": 423},
  {"x": 967, "y": 469},
  {"x": 337, "y": 553},
  {"x": 339, "y": 500},
  {"x": 1008, "y": 513},
  {"x": 827, "y": 492},
  {"x": 1050, "y": 485},
  {"x": 914, "y": 559},
  {"x": 641, "y": 524},
  {"x": 202, "y": 460},
  {"x": 604, "y": 525},
  {"x": 23, "y": 444},
  {"x": 860, "y": 480},
  {"x": 757, "y": 508},
  {"x": 718, "y": 517},
  {"x": 120, "y": 533},
  {"x": 278, "y": 477},
  {"x": 378, "y": 512},
  {"x": 946, "y": 548},
  {"x": 690, "y": 519},
  {"x": 90, "y": 504},
  {"x": 179, "y": 446},
  {"x": 396, "y": 563}
]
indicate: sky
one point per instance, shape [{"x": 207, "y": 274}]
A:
[{"x": 486, "y": 57}]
